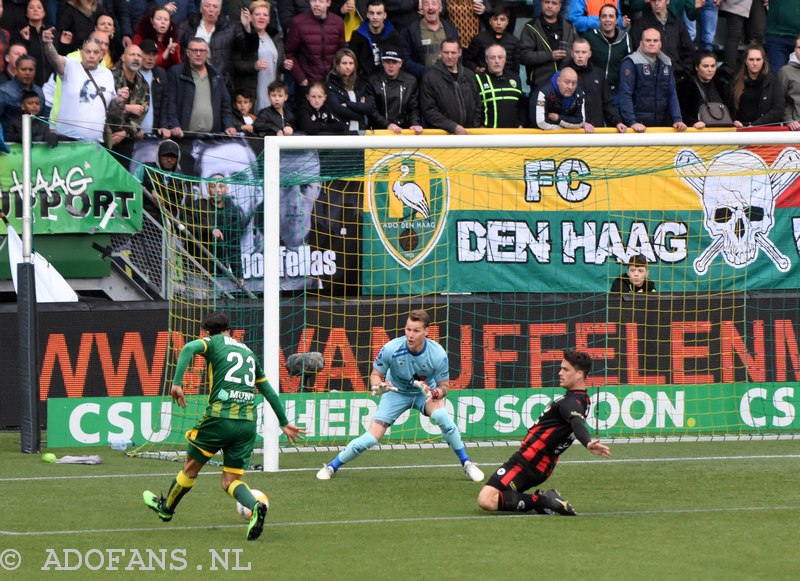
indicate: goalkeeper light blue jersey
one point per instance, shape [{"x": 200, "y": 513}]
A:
[{"x": 401, "y": 366}]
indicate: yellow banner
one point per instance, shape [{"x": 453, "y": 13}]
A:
[{"x": 609, "y": 179}]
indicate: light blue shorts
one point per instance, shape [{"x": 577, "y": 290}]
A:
[{"x": 394, "y": 403}]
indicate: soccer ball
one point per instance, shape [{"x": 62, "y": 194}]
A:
[{"x": 245, "y": 512}]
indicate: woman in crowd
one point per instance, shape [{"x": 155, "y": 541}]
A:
[
  {"x": 708, "y": 84},
  {"x": 76, "y": 20},
  {"x": 157, "y": 25},
  {"x": 257, "y": 69},
  {"x": 30, "y": 36},
  {"x": 105, "y": 23},
  {"x": 746, "y": 20},
  {"x": 347, "y": 93},
  {"x": 757, "y": 98}
]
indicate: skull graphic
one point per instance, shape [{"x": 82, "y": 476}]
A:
[{"x": 738, "y": 192}]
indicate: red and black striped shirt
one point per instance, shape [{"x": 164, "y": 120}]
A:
[{"x": 562, "y": 422}]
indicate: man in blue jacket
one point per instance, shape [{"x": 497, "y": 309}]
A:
[{"x": 647, "y": 95}]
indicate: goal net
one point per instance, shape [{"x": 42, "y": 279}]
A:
[{"x": 513, "y": 245}]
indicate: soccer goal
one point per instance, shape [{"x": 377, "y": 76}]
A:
[{"x": 513, "y": 244}]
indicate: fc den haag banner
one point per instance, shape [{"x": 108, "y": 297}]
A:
[{"x": 547, "y": 220}]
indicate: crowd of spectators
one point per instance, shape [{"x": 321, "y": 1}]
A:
[{"x": 452, "y": 65}]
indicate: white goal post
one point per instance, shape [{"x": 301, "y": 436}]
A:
[{"x": 274, "y": 147}]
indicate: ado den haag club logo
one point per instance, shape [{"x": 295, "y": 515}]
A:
[{"x": 409, "y": 196}]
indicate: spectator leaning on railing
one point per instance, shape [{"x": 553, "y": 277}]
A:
[{"x": 647, "y": 93}]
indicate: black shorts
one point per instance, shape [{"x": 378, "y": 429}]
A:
[{"x": 516, "y": 476}]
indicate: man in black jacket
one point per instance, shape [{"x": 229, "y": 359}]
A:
[
  {"x": 371, "y": 37},
  {"x": 599, "y": 106},
  {"x": 395, "y": 94},
  {"x": 449, "y": 93}
]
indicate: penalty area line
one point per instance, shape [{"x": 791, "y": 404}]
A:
[
  {"x": 594, "y": 461},
  {"x": 384, "y": 521}
]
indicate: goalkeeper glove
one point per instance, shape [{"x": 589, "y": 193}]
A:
[
  {"x": 431, "y": 394},
  {"x": 382, "y": 388}
]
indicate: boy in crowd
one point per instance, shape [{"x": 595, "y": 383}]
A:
[
  {"x": 275, "y": 119},
  {"x": 243, "y": 111},
  {"x": 31, "y": 104},
  {"x": 634, "y": 280}
]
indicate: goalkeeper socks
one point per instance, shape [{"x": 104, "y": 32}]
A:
[
  {"x": 450, "y": 433},
  {"x": 241, "y": 492},
  {"x": 518, "y": 501},
  {"x": 180, "y": 487},
  {"x": 462, "y": 455},
  {"x": 355, "y": 448}
]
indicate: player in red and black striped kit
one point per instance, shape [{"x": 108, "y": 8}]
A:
[{"x": 562, "y": 423}]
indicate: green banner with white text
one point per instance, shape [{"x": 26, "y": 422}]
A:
[
  {"x": 664, "y": 410},
  {"x": 75, "y": 187}
]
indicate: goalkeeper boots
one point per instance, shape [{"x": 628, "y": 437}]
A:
[
  {"x": 158, "y": 505},
  {"x": 473, "y": 472},
  {"x": 554, "y": 503},
  {"x": 256, "y": 526},
  {"x": 326, "y": 472}
]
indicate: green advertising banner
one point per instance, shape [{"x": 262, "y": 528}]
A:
[
  {"x": 552, "y": 220},
  {"x": 504, "y": 414},
  {"x": 76, "y": 188}
]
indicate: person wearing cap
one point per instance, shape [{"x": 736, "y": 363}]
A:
[
  {"x": 163, "y": 188},
  {"x": 449, "y": 93},
  {"x": 395, "y": 94},
  {"x": 374, "y": 34},
  {"x": 156, "y": 79}
]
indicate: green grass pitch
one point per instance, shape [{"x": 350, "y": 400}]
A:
[{"x": 723, "y": 510}]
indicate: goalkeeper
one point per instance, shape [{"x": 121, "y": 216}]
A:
[
  {"x": 409, "y": 372},
  {"x": 561, "y": 423},
  {"x": 228, "y": 423}
]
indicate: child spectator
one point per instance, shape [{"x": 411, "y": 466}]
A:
[
  {"x": 243, "y": 110},
  {"x": 497, "y": 33},
  {"x": 275, "y": 119},
  {"x": 315, "y": 116},
  {"x": 634, "y": 280},
  {"x": 30, "y": 104}
]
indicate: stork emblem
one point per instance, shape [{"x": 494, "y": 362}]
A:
[
  {"x": 411, "y": 194},
  {"x": 408, "y": 195}
]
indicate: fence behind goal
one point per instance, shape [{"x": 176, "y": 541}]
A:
[{"x": 512, "y": 244}]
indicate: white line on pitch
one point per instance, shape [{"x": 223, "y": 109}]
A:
[
  {"x": 383, "y": 521},
  {"x": 425, "y": 466}
]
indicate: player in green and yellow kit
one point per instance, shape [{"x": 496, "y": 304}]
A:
[{"x": 229, "y": 421}]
